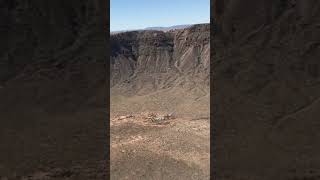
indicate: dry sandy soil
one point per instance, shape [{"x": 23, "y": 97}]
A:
[{"x": 174, "y": 149}]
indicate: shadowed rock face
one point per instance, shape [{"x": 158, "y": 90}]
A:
[
  {"x": 237, "y": 19},
  {"x": 266, "y": 78},
  {"x": 35, "y": 31},
  {"x": 141, "y": 58},
  {"x": 52, "y": 79},
  {"x": 60, "y": 42}
]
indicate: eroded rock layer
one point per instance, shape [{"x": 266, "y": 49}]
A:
[
  {"x": 161, "y": 71},
  {"x": 142, "y": 58}
]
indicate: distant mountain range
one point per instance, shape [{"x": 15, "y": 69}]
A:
[
  {"x": 157, "y": 28},
  {"x": 169, "y": 28}
]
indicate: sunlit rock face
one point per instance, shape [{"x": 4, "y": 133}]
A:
[{"x": 141, "y": 58}]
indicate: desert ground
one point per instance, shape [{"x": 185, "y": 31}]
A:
[
  {"x": 143, "y": 147},
  {"x": 176, "y": 148}
]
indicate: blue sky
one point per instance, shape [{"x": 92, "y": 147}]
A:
[{"x": 138, "y": 14}]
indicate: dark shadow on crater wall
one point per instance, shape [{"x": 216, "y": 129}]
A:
[
  {"x": 53, "y": 89},
  {"x": 265, "y": 92}
]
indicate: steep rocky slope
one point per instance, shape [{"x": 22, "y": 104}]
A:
[
  {"x": 156, "y": 52},
  {"x": 52, "y": 89},
  {"x": 154, "y": 64},
  {"x": 266, "y": 89},
  {"x": 160, "y": 72}
]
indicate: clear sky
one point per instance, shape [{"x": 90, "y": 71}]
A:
[{"x": 138, "y": 14}]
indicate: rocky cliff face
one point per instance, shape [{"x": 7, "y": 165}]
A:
[
  {"x": 266, "y": 88},
  {"x": 52, "y": 83},
  {"x": 156, "y": 71},
  {"x": 159, "y": 59}
]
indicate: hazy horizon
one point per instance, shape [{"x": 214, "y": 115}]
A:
[
  {"x": 159, "y": 27},
  {"x": 140, "y": 14}
]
